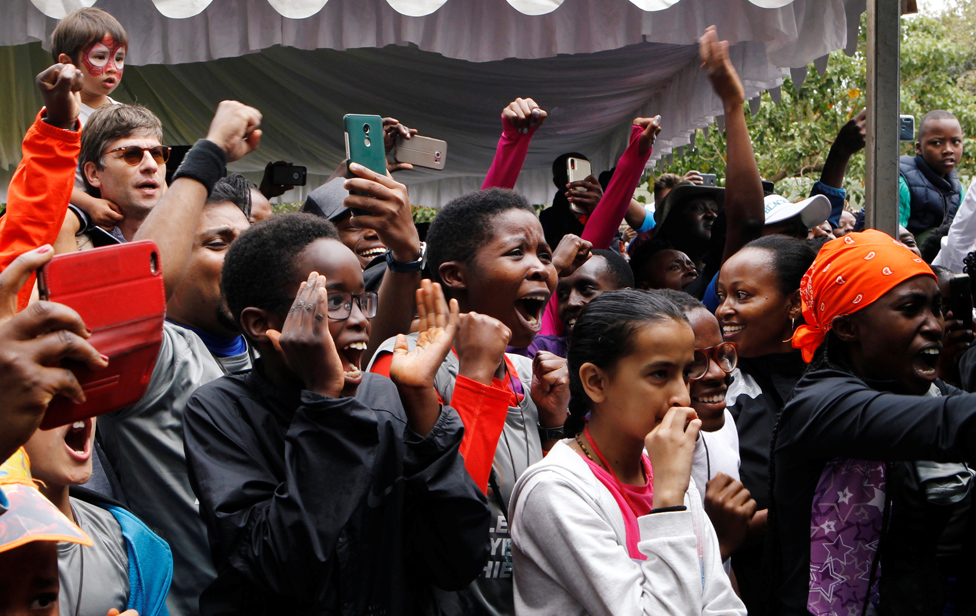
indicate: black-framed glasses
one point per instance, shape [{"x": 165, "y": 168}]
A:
[
  {"x": 725, "y": 355},
  {"x": 133, "y": 154},
  {"x": 339, "y": 305}
]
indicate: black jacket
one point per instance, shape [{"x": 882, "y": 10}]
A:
[
  {"x": 315, "y": 505},
  {"x": 935, "y": 199},
  {"x": 835, "y": 415}
]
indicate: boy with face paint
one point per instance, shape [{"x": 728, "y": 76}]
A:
[{"x": 96, "y": 43}]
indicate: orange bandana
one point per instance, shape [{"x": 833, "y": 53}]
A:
[{"x": 848, "y": 274}]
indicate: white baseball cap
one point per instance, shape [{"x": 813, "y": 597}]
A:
[{"x": 812, "y": 211}]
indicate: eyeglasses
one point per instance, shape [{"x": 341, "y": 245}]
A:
[
  {"x": 725, "y": 355},
  {"x": 133, "y": 154},
  {"x": 339, "y": 305}
]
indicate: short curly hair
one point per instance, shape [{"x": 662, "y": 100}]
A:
[
  {"x": 464, "y": 225},
  {"x": 261, "y": 263}
]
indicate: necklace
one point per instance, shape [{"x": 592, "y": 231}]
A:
[{"x": 586, "y": 451}]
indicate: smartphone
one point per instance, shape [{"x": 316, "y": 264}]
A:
[
  {"x": 906, "y": 128},
  {"x": 961, "y": 297},
  {"x": 577, "y": 169},
  {"x": 118, "y": 292},
  {"x": 364, "y": 145},
  {"x": 769, "y": 188},
  {"x": 709, "y": 179},
  {"x": 288, "y": 175},
  {"x": 421, "y": 152}
]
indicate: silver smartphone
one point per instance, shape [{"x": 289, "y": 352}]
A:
[{"x": 421, "y": 152}]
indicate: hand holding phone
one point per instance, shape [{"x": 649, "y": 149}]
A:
[
  {"x": 118, "y": 292},
  {"x": 421, "y": 152},
  {"x": 364, "y": 145}
]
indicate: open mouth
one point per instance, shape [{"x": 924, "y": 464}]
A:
[
  {"x": 372, "y": 253},
  {"x": 925, "y": 362},
  {"x": 148, "y": 186},
  {"x": 351, "y": 356},
  {"x": 78, "y": 439},
  {"x": 530, "y": 307}
]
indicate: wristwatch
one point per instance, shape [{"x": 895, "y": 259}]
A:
[
  {"x": 409, "y": 267},
  {"x": 551, "y": 434}
]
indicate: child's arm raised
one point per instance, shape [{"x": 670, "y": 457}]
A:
[
  {"x": 40, "y": 189},
  {"x": 520, "y": 119}
]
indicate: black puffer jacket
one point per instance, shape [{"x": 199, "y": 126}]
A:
[{"x": 935, "y": 199}]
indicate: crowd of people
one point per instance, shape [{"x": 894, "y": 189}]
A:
[{"x": 724, "y": 402}]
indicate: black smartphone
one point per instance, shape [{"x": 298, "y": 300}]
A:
[
  {"x": 769, "y": 188},
  {"x": 288, "y": 175},
  {"x": 961, "y": 297}
]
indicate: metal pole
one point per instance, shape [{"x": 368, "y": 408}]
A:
[{"x": 884, "y": 105}]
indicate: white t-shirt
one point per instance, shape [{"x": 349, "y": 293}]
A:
[
  {"x": 86, "y": 112},
  {"x": 716, "y": 452}
]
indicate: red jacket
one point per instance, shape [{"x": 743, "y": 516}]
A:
[{"x": 39, "y": 193}]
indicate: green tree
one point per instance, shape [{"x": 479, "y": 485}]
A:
[{"x": 792, "y": 138}]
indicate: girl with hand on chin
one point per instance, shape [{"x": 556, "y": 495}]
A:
[{"x": 600, "y": 527}]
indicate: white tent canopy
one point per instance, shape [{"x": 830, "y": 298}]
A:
[{"x": 446, "y": 67}]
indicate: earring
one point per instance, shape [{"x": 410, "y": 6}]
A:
[{"x": 792, "y": 329}]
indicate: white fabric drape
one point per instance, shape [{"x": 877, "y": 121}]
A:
[{"x": 448, "y": 74}]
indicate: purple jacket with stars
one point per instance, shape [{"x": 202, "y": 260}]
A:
[{"x": 837, "y": 466}]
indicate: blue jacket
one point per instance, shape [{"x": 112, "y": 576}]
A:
[
  {"x": 150, "y": 559},
  {"x": 935, "y": 199}
]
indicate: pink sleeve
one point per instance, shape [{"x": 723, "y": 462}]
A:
[
  {"x": 609, "y": 213},
  {"x": 602, "y": 225},
  {"x": 509, "y": 156}
]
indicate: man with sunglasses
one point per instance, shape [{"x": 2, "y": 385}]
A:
[{"x": 123, "y": 161}]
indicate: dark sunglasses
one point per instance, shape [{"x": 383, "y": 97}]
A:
[
  {"x": 133, "y": 154},
  {"x": 725, "y": 355}
]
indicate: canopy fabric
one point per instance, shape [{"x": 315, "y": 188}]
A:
[{"x": 448, "y": 74}]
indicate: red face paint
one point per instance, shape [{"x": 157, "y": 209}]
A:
[{"x": 103, "y": 55}]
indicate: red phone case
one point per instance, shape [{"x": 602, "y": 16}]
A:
[{"x": 119, "y": 293}]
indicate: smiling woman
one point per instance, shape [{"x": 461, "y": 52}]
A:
[{"x": 873, "y": 333}]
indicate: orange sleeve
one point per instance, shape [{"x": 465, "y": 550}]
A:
[
  {"x": 38, "y": 195},
  {"x": 483, "y": 411}
]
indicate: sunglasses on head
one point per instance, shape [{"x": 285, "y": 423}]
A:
[{"x": 133, "y": 154}]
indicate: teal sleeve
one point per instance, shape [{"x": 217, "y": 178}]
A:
[{"x": 904, "y": 202}]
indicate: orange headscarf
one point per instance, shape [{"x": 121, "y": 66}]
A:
[{"x": 850, "y": 273}]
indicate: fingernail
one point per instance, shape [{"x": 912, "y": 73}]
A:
[
  {"x": 535, "y": 112},
  {"x": 43, "y": 249},
  {"x": 104, "y": 358}
]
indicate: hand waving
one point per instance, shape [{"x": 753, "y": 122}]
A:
[{"x": 438, "y": 325}]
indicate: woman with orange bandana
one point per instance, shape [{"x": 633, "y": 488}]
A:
[{"x": 857, "y": 518}]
